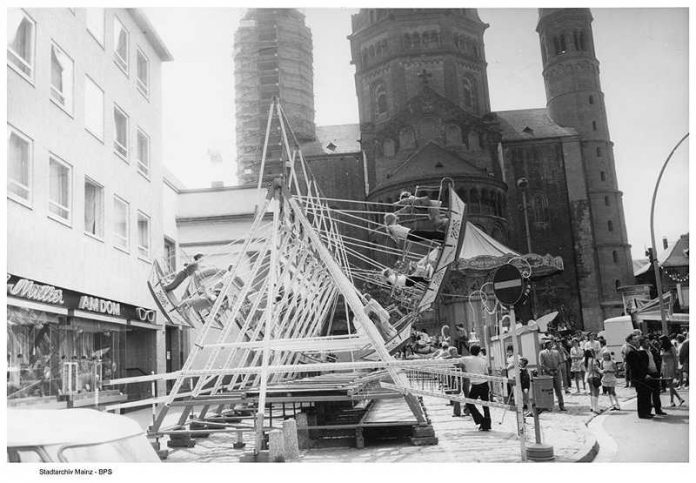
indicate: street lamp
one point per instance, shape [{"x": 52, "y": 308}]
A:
[
  {"x": 656, "y": 264},
  {"x": 523, "y": 184}
]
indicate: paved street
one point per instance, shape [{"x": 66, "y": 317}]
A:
[{"x": 623, "y": 437}]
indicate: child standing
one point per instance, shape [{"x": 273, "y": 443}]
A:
[
  {"x": 608, "y": 371},
  {"x": 594, "y": 379}
]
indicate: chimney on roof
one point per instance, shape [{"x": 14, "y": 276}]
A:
[{"x": 664, "y": 242}]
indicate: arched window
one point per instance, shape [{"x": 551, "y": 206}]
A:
[
  {"x": 594, "y": 125},
  {"x": 579, "y": 40},
  {"x": 591, "y": 99},
  {"x": 610, "y": 225},
  {"x": 559, "y": 44},
  {"x": 406, "y": 138},
  {"x": 416, "y": 40},
  {"x": 599, "y": 152},
  {"x": 541, "y": 208},
  {"x": 606, "y": 201},
  {"x": 473, "y": 141},
  {"x": 615, "y": 256},
  {"x": 602, "y": 176},
  {"x": 453, "y": 135},
  {"x": 380, "y": 99},
  {"x": 468, "y": 93},
  {"x": 389, "y": 148},
  {"x": 617, "y": 284}
]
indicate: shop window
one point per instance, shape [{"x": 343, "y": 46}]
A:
[
  {"x": 19, "y": 163},
  {"x": 121, "y": 225},
  {"x": 143, "y": 235},
  {"x": 120, "y": 45},
  {"x": 169, "y": 256},
  {"x": 121, "y": 133},
  {"x": 48, "y": 358},
  {"x": 21, "y": 35},
  {"x": 59, "y": 189},
  {"x": 94, "y": 209},
  {"x": 94, "y": 109},
  {"x": 61, "y": 78},
  {"x": 143, "y": 153},
  {"x": 143, "y": 73},
  {"x": 95, "y": 23}
]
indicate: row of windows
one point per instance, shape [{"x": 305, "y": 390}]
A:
[
  {"x": 21, "y": 55},
  {"x": 60, "y": 195},
  {"x": 562, "y": 41},
  {"x": 62, "y": 85},
  {"x": 469, "y": 96},
  {"x": 415, "y": 40}
]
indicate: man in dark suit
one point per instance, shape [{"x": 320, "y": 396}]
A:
[{"x": 637, "y": 361}]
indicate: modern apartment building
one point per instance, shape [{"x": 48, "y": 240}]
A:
[{"x": 85, "y": 203}]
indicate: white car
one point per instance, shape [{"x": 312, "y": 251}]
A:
[{"x": 75, "y": 435}]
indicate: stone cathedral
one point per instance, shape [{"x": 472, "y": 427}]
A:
[{"x": 424, "y": 110}]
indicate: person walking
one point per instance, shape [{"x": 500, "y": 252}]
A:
[
  {"x": 637, "y": 362},
  {"x": 577, "y": 369},
  {"x": 608, "y": 370},
  {"x": 625, "y": 349},
  {"x": 549, "y": 362},
  {"x": 474, "y": 364},
  {"x": 668, "y": 354}
]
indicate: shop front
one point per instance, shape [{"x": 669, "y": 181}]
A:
[{"x": 62, "y": 344}]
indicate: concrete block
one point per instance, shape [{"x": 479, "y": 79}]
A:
[
  {"x": 276, "y": 446},
  {"x": 292, "y": 450},
  {"x": 302, "y": 431}
]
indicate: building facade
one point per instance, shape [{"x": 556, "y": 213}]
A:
[
  {"x": 425, "y": 115},
  {"x": 85, "y": 203},
  {"x": 272, "y": 58}
]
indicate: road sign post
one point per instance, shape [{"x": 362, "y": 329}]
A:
[{"x": 508, "y": 287}]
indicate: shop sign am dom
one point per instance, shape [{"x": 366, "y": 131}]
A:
[{"x": 33, "y": 290}]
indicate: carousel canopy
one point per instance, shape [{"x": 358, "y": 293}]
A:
[{"x": 481, "y": 252}]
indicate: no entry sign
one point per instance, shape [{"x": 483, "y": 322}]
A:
[{"x": 508, "y": 285}]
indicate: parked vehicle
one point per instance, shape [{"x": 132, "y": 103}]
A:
[
  {"x": 615, "y": 331},
  {"x": 75, "y": 435}
]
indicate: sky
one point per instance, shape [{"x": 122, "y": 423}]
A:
[{"x": 644, "y": 68}]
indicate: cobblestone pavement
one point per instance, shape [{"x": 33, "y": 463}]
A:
[{"x": 459, "y": 439}]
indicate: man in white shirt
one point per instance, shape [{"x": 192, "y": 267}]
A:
[{"x": 474, "y": 364}]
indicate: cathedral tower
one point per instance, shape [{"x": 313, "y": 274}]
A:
[
  {"x": 424, "y": 108},
  {"x": 272, "y": 58},
  {"x": 575, "y": 100}
]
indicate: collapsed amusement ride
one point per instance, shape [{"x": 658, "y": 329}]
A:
[{"x": 266, "y": 320}]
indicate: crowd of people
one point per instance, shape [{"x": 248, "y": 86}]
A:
[{"x": 652, "y": 364}]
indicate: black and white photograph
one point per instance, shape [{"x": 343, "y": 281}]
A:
[{"x": 353, "y": 233}]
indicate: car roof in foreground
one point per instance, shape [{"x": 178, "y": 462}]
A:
[{"x": 45, "y": 427}]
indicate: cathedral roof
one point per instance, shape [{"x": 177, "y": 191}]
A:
[
  {"x": 525, "y": 124},
  {"x": 336, "y": 139}
]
